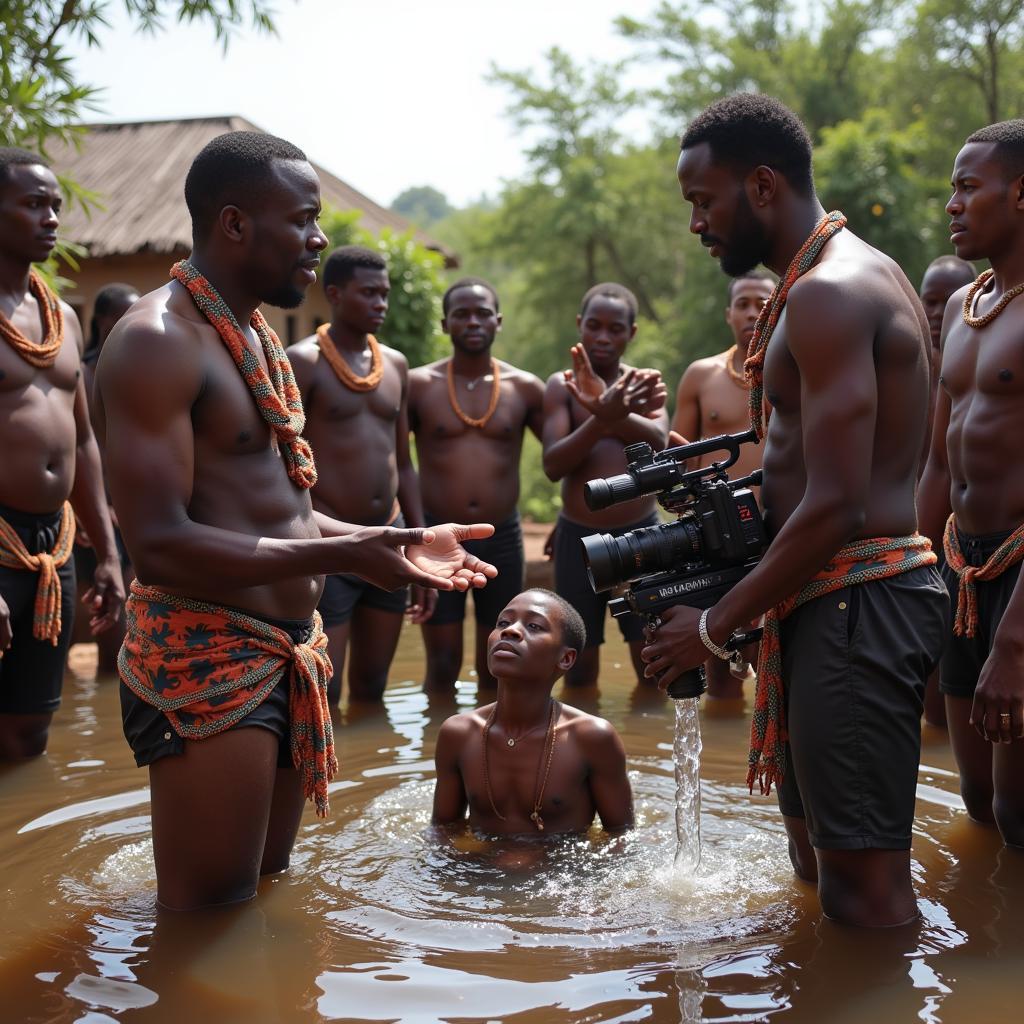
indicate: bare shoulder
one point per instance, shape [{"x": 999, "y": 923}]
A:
[
  {"x": 428, "y": 371},
  {"x": 522, "y": 379},
  {"x": 304, "y": 351},
  {"x": 72, "y": 326},
  {"x": 158, "y": 341},
  {"x": 464, "y": 724},
  {"x": 396, "y": 358},
  {"x": 556, "y": 383},
  {"x": 595, "y": 733}
]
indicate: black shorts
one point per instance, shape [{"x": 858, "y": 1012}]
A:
[
  {"x": 342, "y": 592},
  {"x": 31, "y": 670},
  {"x": 151, "y": 736},
  {"x": 854, "y": 663},
  {"x": 504, "y": 550},
  {"x": 85, "y": 561},
  {"x": 964, "y": 656},
  {"x": 572, "y": 582}
]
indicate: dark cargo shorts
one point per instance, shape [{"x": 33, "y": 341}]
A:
[{"x": 854, "y": 664}]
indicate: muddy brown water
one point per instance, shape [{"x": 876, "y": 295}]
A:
[{"x": 376, "y": 922}]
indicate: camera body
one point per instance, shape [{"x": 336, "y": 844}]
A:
[{"x": 718, "y": 535}]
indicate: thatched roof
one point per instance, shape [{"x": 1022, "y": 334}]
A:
[{"x": 138, "y": 171}]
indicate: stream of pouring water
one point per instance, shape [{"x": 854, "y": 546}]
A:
[{"x": 686, "y": 751}]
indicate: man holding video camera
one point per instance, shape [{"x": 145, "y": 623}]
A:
[{"x": 855, "y": 610}]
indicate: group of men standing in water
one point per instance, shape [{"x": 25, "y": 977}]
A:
[{"x": 234, "y": 648}]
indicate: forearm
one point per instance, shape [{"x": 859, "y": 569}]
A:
[
  {"x": 635, "y": 428},
  {"x": 89, "y": 500},
  {"x": 564, "y": 456},
  {"x": 811, "y": 536},
  {"x": 169, "y": 556},
  {"x": 409, "y": 499}
]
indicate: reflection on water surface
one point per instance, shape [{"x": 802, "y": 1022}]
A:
[{"x": 380, "y": 920}]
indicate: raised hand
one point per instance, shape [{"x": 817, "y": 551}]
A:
[{"x": 445, "y": 558}]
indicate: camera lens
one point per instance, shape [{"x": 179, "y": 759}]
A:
[
  {"x": 613, "y": 560},
  {"x": 607, "y": 491}
]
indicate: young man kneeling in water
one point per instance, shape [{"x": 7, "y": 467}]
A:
[{"x": 528, "y": 764}]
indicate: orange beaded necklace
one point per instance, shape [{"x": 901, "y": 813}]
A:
[
  {"x": 739, "y": 379},
  {"x": 982, "y": 321},
  {"x": 44, "y": 355},
  {"x": 491, "y": 406},
  {"x": 342, "y": 370}
]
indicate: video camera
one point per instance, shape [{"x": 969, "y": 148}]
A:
[{"x": 716, "y": 539}]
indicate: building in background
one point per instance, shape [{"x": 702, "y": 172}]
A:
[{"x": 137, "y": 171}]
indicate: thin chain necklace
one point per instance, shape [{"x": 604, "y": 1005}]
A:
[
  {"x": 543, "y": 765},
  {"x": 739, "y": 379},
  {"x": 340, "y": 366},
  {"x": 982, "y": 321},
  {"x": 491, "y": 406},
  {"x": 771, "y": 311}
]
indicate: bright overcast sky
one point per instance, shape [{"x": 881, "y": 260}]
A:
[{"x": 384, "y": 93}]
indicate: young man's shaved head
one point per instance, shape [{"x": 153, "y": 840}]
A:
[
  {"x": 468, "y": 282},
  {"x": 1008, "y": 139},
  {"x": 574, "y": 633},
  {"x": 751, "y": 275},
  {"x": 342, "y": 264},
  {"x": 231, "y": 170},
  {"x": 612, "y": 290},
  {"x": 12, "y": 156}
]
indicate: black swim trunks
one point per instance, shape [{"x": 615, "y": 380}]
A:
[
  {"x": 342, "y": 592},
  {"x": 854, "y": 665},
  {"x": 504, "y": 550},
  {"x": 151, "y": 736},
  {"x": 964, "y": 656},
  {"x": 31, "y": 670},
  {"x": 572, "y": 582}
]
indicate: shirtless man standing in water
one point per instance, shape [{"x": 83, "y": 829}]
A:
[
  {"x": 591, "y": 413},
  {"x": 846, "y": 373},
  {"x": 713, "y": 398},
  {"x": 469, "y": 413},
  {"x": 49, "y": 458},
  {"x": 224, "y": 671},
  {"x": 354, "y": 391},
  {"x": 974, "y": 469}
]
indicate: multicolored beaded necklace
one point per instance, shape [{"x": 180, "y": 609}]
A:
[
  {"x": 768, "y": 319},
  {"x": 276, "y": 395}
]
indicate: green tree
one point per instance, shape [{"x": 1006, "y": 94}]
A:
[
  {"x": 423, "y": 205},
  {"x": 414, "y": 313}
]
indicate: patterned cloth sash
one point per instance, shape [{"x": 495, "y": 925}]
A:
[
  {"x": 276, "y": 395},
  {"x": 1009, "y": 553},
  {"x": 46, "y": 624},
  {"x": 206, "y": 667},
  {"x": 771, "y": 311},
  {"x": 45, "y": 355},
  {"x": 860, "y": 561}
]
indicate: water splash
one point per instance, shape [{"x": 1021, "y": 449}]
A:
[{"x": 686, "y": 751}]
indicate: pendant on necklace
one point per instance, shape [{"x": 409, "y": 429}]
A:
[{"x": 510, "y": 741}]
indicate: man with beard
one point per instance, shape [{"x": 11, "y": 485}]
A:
[
  {"x": 50, "y": 468},
  {"x": 469, "y": 413},
  {"x": 354, "y": 391},
  {"x": 712, "y": 399},
  {"x": 591, "y": 413},
  {"x": 224, "y": 667},
  {"x": 855, "y": 609},
  {"x": 975, "y": 447}
]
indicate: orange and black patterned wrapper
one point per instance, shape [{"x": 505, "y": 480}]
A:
[{"x": 206, "y": 667}]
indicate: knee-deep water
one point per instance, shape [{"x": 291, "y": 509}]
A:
[{"x": 381, "y": 919}]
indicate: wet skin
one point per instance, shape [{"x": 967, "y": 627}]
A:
[
  {"x": 208, "y": 511},
  {"x": 527, "y": 654},
  {"x": 50, "y": 453},
  {"x": 469, "y": 472},
  {"x": 591, "y": 413},
  {"x": 847, "y": 376},
  {"x": 709, "y": 402},
  {"x": 970, "y": 471},
  {"x": 361, "y": 441}
]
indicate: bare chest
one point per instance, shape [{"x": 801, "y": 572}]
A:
[
  {"x": 335, "y": 402},
  {"x": 17, "y": 374},
  {"x": 988, "y": 361},
  {"x": 724, "y": 406},
  {"x": 446, "y": 417}
]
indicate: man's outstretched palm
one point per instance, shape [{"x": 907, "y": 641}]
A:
[{"x": 445, "y": 557}]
